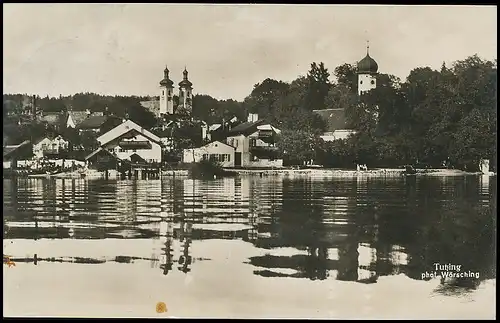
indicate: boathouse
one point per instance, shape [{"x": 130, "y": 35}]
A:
[{"x": 129, "y": 139}]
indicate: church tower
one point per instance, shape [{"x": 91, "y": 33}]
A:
[
  {"x": 367, "y": 73},
  {"x": 186, "y": 93},
  {"x": 166, "y": 94}
]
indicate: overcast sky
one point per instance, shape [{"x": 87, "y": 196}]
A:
[{"x": 52, "y": 49}]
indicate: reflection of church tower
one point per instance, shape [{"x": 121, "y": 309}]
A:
[
  {"x": 168, "y": 249},
  {"x": 186, "y": 93},
  {"x": 166, "y": 94},
  {"x": 367, "y": 73},
  {"x": 185, "y": 236}
]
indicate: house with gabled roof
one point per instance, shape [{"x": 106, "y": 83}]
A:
[
  {"x": 129, "y": 139},
  {"x": 216, "y": 151},
  {"x": 254, "y": 143},
  {"x": 74, "y": 118},
  {"x": 99, "y": 123},
  {"x": 336, "y": 124}
]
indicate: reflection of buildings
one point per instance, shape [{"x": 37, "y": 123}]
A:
[{"x": 334, "y": 227}]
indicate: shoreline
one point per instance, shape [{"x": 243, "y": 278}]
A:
[
  {"x": 354, "y": 173},
  {"x": 313, "y": 172}
]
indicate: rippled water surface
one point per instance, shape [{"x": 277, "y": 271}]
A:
[{"x": 249, "y": 246}]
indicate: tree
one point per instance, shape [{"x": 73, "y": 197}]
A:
[
  {"x": 264, "y": 97},
  {"x": 297, "y": 146},
  {"x": 347, "y": 77},
  {"x": 318, "y": 87}
]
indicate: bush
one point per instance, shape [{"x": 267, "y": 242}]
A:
[{"x": 207, "y": 169}]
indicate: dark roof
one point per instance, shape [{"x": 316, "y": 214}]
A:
[
  {"x": 367, "y": 65},
  {"x": 167, "y": 82},
  {"x": 51, "y": 118},
  {"x": 78, "y": 116},
  {"x": 137, "y": 159},
  {"x": 245, "y": 128},
  {"x": 335, "y": 119},
  {"x": 100, "y": 151},
  {"x": 9, "y": 150},
  {"x": 94, "y": 122}
]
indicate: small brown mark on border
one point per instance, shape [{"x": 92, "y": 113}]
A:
[{"x": 161, "y": 307}]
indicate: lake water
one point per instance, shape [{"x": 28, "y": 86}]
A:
[{"x": 250, "y": 247}]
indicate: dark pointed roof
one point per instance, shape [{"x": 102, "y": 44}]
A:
[
  {"x": 185, "y": 82},
  {"x": 166, "y": 80},
  {"x": 367, "y": 65}
]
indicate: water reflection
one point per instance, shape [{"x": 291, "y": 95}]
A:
[{"x": 345, "y": 229}]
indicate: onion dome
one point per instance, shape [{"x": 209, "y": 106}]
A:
[
  {"x": 166, "y": 80},
  {"x": 367, "y": 65},
  {"x": 185, "y": 82}
]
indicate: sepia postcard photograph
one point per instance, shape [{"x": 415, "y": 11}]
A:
[{"x": 249, "y": 161}]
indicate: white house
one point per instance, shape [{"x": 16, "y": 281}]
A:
[
  {"x": 336, "y": 124},
  {"x": 254, "y": 143},
  {"x": 216, "y": 151},
  {"x": 129, "y": 139},
  {"x": 50, "y": 146}
]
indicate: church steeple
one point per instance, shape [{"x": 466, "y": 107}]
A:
[
  {"x": 185, "y": 92},
  {"x": 166, "y": 93},
  {"x": 367, "y": 71}
]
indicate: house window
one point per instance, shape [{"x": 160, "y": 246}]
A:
[
  {"x": 162, "y": 92},
  {"x": 205, "y": 156},
  {"x": 253, "y": 142},
  {"x": 373, "y": 82},
  {"x": 228, "y": 157}
]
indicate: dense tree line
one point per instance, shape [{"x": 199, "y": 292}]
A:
[{"x": 434, "y": 117}]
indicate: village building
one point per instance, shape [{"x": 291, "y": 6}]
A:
[
  {"x": 75, "y": 118},
  {"x": 336, "y": 124},
  {"x": 216, "y": 151},
  {"x": 254, "y": 143},
  {"x": 99, "y": 123},
  {"x": 218, "y": 131},
  {"x": 165, "y": 106},
  {"x": 54, "y": 148},
  {"x": 129, "y": 140},
  {"x": 13, "y": 153},
  {"x": 335, "y": 119}
]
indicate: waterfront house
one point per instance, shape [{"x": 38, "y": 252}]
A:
[
  {"x": 219, "y": 131},
  {"x": 254, "y": 143},
  {"x": 216, "y": 151},
  {"x": 51, "y": 147},
  {"x": 102, "y": 159},
  {"x": 336, "y": 124},
  {"x": 13, "y": 153},
  {"x": 128, "y": 138}
]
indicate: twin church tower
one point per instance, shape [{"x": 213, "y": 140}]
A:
[
  {"x": 167, "y": 93},
  {"x": 367, "y": 69}
]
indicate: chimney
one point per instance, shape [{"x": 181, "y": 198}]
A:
[
  {"x": 203, "y": 132},
  {"x": 252, "y": 117},
  {"x": 33, "y": 107}
]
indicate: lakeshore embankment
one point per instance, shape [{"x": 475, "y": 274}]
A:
[
  {"x": 312, "y": 172},
  {"x": 352, "y": 173}
]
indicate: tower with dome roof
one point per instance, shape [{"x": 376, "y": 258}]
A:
[
  {"x": 166, "y": 94},
  {"x": 185, "y": 92},
  {"x": 367, "y": 73}
]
